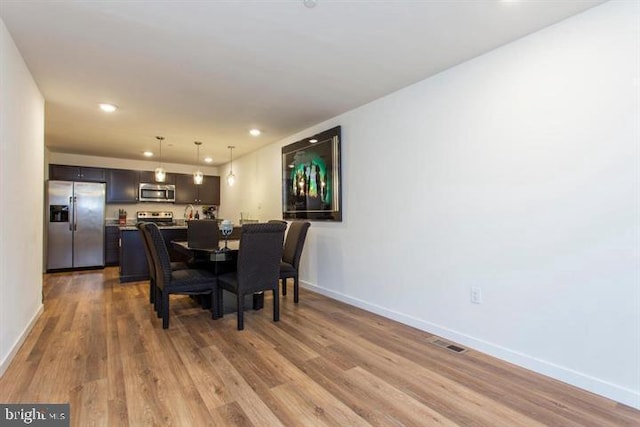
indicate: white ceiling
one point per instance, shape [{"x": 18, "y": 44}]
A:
[{"x": 211, "y": 70}]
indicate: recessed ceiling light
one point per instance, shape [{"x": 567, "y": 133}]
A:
[
  {"x": 108, "y": 108},
  {"x": 255, "y": 132},
  {"x": 148, "y": 154},
  {"x": 313, "y": 140},
  {"x": 208, "y": 159},
  {"x": 310, "y": 3}
]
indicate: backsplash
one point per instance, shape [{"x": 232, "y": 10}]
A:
[{"x": 178, "y": 210}]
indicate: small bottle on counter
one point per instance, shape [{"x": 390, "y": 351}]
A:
[{"x": 197, "y": 215}]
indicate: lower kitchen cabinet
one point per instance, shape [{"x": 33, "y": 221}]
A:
[
  {"x": 133, "y": 259},
  {"x": 111, "y": 245}
]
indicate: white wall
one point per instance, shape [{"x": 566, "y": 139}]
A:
[
  {"x": 257, "y": 188},
  {"x": 21, "y": 198},
  {"x": 516, "y": 172}
]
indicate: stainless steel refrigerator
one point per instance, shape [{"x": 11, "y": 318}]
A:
[{"x": 75, "y": 236}]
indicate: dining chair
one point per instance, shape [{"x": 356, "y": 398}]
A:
[
  {"x": 187, "y": 281},
  {"x": 152, "y": 270},
  {"x": 152, "y": 273},
  {"x": 257, "y": 270},
  {"x": 290, "y": 263}
]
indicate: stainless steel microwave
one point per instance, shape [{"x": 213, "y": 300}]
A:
[{"x": 157, "y": 193}]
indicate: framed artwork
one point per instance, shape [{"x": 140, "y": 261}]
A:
[{"x": 311, "y": 177}]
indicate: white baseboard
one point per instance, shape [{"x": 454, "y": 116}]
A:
[
  {"x": 560, "y": 373},
  {"x": 16, "y": 346}
]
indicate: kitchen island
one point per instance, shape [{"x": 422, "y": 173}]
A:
[{"x": 133, "y": 259}]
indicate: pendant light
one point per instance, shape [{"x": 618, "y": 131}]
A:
[
  {"x": 231, "y": 178},
  {"x": 198, "y": 176},
  {"x": 160, "y": 173}
]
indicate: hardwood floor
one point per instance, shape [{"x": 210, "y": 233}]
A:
[{"x": 99, "y": 347}]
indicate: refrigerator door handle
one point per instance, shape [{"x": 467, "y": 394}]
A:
[
  {"x": 73, "y": 217},
  {"x": 75, "y": 213}
]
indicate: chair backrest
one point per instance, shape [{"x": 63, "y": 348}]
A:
[
  {"x": 160, "y": 254},
  {"x": 295, "y": 242},
  {"x": 278, "y": 221},
  {"x": 203, "y": 234},
  {"x": 259, "y": 256},
  {"x": 147, "y": 251}
]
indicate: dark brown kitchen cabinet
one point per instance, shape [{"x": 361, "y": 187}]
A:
[
  {"x": 122, "y": 186},
  {"x": 111, "y": 245},
  {"x": 186, "y": 191},
  {"x": 149, "y": 177},
  {"x": 207, "y": 193},
  {"x": 76, "y": 173},
  {"x": 133, "y": 259}
]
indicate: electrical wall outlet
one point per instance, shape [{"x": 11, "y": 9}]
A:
[{"x": 476, "y": 295}]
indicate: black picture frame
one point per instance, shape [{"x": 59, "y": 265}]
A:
[{"x": 311, "y": 177}]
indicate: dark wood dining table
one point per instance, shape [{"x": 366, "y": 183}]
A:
[{"x": 219, "y": 261}]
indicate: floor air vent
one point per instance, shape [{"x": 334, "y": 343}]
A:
[{"x": 447, "y": 345}]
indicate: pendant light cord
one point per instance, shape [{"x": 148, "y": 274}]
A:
[{"x": 231, "y": 177}]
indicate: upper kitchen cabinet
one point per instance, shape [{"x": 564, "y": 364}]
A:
[
  {"x": 149, "y": 177},
  {"x": 122, "y": 186},
  {"x": 186, "y": 191},
  {"x": 209, "y": 190},
  {"x": 207, "y": 193},
  {"x": 76, "y": 173}
]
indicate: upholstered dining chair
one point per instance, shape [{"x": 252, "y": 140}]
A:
[
  {"x": 152, "y": 273},
  {"x": 258, "y": 268},
  {"x": 146, "y": 242},
  {"x": 290, "y": 263},
  {"x": 188, "y": 281}
]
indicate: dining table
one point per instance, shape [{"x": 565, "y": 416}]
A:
[{"x": 220, "y": 261}]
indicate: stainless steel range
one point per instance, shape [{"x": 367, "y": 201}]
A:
[{"x": 159, "y": 217}]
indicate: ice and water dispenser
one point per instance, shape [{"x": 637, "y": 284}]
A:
[{"x": 58, "y": 213}]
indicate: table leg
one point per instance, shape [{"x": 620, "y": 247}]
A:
[{"x": 258, "y": 300}]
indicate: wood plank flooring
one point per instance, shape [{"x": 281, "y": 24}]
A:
[{"x": 99, "y": 347}]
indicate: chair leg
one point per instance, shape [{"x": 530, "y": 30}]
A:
[
  {"x": 276, "y": 304},
  {"x": 165, "y": 309},
  {"x": 220, "y": 303},
  {"x": 284, "y": 287},
  {"x": 214, "y": 302},
  {"x": 258, "y": 300},
  {"x": 152, "y": 292},
  {"x": 215, "y": 307},
  {"x": 158, "y": 303},
  {"x": 296, "y": 290},
  {"x": 240, "y": 298}
]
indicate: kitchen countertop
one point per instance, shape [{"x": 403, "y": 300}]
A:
[
  {"x": 131, "y": 225},
  {"x": 161, "y": 227}
]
